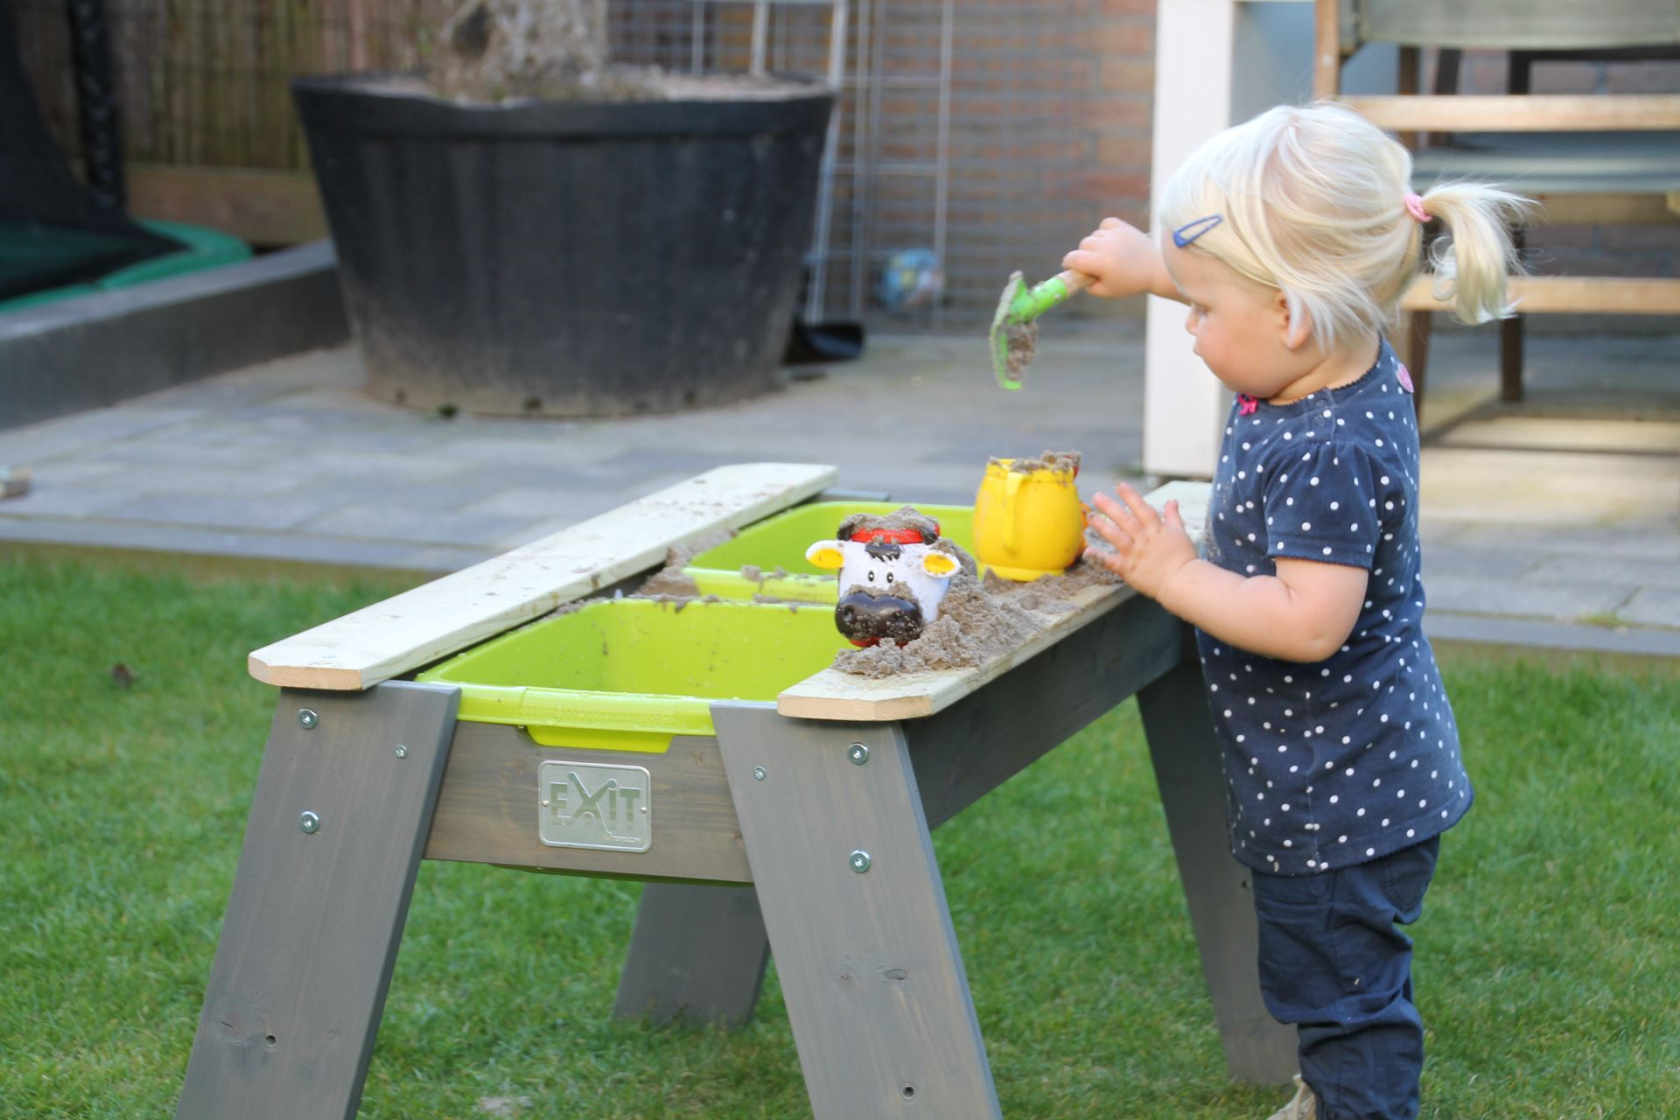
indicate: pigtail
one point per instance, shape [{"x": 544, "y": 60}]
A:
[{"x": 1472, "y": 262}]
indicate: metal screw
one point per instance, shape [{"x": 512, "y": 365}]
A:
[
  {"x": 310, "y": 823},
  {"x": 860, "y": 861},
  {"x": 859, "y": 754},
  {"x": 308, "y": 718},
  {"x": 402, "y": 751},
  {"x": 758, "y": 773}
]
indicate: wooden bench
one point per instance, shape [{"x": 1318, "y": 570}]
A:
[{"x": 802, "y": 827}]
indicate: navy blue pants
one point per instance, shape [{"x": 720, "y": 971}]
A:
[{"x": 1334, "y": 962}]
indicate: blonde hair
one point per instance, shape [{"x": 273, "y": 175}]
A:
[{"x": 1313, "y": 203}]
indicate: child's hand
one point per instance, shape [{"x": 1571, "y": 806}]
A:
[
  {"x": 1148, "y": 547},
  {"x": 1122, "y": 258}
]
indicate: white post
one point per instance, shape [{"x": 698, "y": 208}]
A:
[
  {"x": 1184, "y": 404},
  {"x": 1217, "y": 63}
]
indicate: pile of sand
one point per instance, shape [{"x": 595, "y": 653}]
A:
[
  {"x": 1046, "y": 461},
  {"x": 1020, "y": 346},
  {"x": 978, "y": 621},
  {"x": 904, "y": 517}
]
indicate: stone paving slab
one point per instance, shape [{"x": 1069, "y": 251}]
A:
[
  {"x": 1533, "y": 521},
  {"x": 1537, "y": 486},
  {"x": 1454, "y": 560},
  {"x": 419, "y": 526},
  {"x": 1652, "y": 607},
  {"x": 57, "y": 438},
  {"x": 1607, "y": 569},
  {"x": 1634, "y": 539},
  {"x": 285, "y": 548},
  {"x": 1486, "y": 595},
  {"x": 1552, "y": 433}
]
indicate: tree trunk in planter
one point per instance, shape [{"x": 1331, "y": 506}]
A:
[
  {"x": 495, "y": 49},
  {"x": 568, "y": 257}
]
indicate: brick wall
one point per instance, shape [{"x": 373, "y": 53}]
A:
[{"x": 1047, "y": 131}]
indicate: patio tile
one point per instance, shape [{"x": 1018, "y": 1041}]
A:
[
  {"x": 1529, "y": 633},
  {"x": 534, "y": 506},
  {"x": 1564, "y": 433},
  {"x": 396, "y": 523},
  {"x": 273, "y": 512},
  {"x": 1646, "y": 541},
  {"x": 241, "y": 544},
  {"x": 1609, "y": 569},
  {"x": 348, "y": 461},
  {"x": 1548, "y": 487},
  {"x": 1653, "y": 607},
  {"x": 99, "y": 427},
  {"x": 49, "y": 497},
  {"x": 437, "y": 561},
  {"x": 1450, "y": 560},
  {"x": 189, "y": 451},
  {"x": 1491, "y": 596},
  {"x": 1434, "y": 533},
  {"x": 631, "y": 463}
]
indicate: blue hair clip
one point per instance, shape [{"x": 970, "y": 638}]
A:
[{"x": 1189, "y": 231}]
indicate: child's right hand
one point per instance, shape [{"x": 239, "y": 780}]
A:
[{"x": 1122, "y": 257}]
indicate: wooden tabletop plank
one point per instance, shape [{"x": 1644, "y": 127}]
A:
[
  {"x": 1597, "y": 295},
  {"x": 834, "y": 695},
  {"x": 417, "y": 627},
  {"x": 1561, "y": 112}
]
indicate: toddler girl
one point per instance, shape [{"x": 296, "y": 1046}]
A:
[{"x": 1292, "y": 238}]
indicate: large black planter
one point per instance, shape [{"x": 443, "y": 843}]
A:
[{"x": 566, "y": 258}]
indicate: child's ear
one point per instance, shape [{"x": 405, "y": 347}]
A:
[{"x": 1295, "y": 320}]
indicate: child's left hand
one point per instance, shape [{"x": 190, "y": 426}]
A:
[{"x": 1149, "y": 547}]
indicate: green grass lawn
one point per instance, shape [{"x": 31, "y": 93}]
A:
[{"x": 1548, "y": 965}]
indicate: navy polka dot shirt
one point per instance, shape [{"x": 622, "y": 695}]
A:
[{"x": 1348, "y": 759}]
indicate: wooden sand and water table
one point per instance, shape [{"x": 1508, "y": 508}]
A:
[{"x": 794, "y": 821}]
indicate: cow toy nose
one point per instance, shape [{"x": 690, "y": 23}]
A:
[{"x": 864, "y": 617}]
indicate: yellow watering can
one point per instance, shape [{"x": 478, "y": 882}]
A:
[{"x": 1028, "y": 523}]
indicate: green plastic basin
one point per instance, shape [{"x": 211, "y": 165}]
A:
[
  {"x": 628, "y": 674},
  {"x": 781, "y": 541}
]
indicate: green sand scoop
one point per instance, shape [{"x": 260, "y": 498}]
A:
[{"x": 1014, "y": 334}]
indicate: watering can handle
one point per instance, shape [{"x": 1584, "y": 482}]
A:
[{"x": 1011, "y": 487}]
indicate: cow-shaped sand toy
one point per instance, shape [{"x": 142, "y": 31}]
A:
[{"x": 891, "y": 578}]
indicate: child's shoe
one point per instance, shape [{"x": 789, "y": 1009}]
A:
[{"x": 1303, "y": 1107}]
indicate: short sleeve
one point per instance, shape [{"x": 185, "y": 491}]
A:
[{"x": 1318, "y": 505}]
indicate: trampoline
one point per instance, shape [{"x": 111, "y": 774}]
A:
[{"x": 56, "y": 238}]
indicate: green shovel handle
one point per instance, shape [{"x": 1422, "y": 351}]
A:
[{"x": 1040, "y": 298}]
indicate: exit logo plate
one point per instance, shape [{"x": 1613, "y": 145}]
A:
[{"x": 593, "y": 805}]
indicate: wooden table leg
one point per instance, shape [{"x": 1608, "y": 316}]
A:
[
  {"x": 342, "y": 806},
  {"x": 698, "y": 953},
  {"x": 852, "y": 900},
  {"x": 1191, "y": 777}
]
